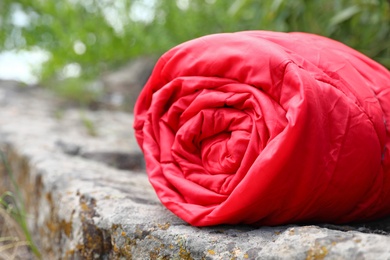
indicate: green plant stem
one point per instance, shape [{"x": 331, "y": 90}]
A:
[{"x": 19, "y": 213}]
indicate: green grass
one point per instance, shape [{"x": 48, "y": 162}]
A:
[
  {"x": 13, "y": 205},
  {"x": 12, "y": 240}
]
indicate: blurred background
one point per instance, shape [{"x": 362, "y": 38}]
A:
[{"x": 75, "y": 47}]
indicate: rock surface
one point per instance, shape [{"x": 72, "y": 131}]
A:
[
  {"x": 124, "y": 85},
  {"x": 83, "y": 182}
]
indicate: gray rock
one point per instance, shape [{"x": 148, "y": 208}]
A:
[
  {"x": 80, "y": 206},
  {"x": 124, "y": 85}
]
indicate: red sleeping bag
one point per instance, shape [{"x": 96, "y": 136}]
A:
[{"x": 267, "y": 128}]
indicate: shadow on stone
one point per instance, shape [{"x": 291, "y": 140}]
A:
[
  {"x": 381, "y": 227},
  {"x": 118, "y": 160}
]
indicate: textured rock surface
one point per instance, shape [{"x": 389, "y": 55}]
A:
[{"x": 82, "y": 206}]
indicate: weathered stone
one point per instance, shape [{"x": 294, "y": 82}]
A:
[
  {"x": 124, "y": 85},
  {"x": 82, "y": 207}
]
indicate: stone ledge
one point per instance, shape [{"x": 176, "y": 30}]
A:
[{"x": 82, "y": 207}]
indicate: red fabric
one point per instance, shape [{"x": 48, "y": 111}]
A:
[{"x": 267, "y": 128}]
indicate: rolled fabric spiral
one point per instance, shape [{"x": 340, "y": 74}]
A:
[{"x": 267, "y": 128}]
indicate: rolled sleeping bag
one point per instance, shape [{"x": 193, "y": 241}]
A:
[{"x": 267, "y": 128}]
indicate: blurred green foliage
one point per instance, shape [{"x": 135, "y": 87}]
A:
[{"x": 98, "y": 35}]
